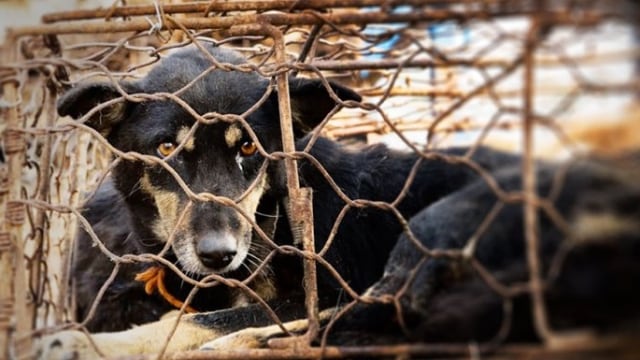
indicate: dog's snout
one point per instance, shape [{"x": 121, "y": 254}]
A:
[
  {"x": 216, "y": 250},
  {"x": 216, "y": 259}
]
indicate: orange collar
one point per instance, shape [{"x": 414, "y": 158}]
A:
[{"x": 153, "y": 279}]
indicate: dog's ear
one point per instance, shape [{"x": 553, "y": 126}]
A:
[
  {"x": 311, "y": 101},
  {"x": 79, "y": 100}
]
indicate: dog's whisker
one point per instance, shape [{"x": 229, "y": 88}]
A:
[
  {"x": 136, "y": 186},
  {"x": 274, "y": 216},
  {"x": 255, "y": 259},
  {"x": 247, "y": 267}
]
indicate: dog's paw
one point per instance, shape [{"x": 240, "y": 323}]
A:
[
  {"x": 250, "y": 338},
  {"x": 254, "y": 338},
  {"x": 260, "y": 337},
  {"x": 66, "y": 345}
]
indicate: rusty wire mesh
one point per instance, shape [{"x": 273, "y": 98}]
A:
[{"x": 509, "y": 74}]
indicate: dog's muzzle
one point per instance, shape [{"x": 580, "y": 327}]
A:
[{"x": 216, "y": 250}]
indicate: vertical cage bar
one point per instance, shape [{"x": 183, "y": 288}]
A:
[
  {"x": 7, "y": 295},
  {"x": 300, "y": 205},
  {"x": 16, "y": 337},
  {"x": 37, "y": 272},
  {"x": 529, "y": 181}
]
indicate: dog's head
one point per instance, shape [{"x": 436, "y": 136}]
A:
[{"x": 218, "y": 157}]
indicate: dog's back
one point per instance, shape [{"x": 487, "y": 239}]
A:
[{"x": 589, "y": 254}]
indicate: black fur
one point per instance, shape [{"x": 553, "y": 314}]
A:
[
  {"x": 593, "y": 284},
  {"x": 125, "y": 302},
  {"x": 446, "y": 202}
]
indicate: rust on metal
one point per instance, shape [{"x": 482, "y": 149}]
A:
[
  {"x": 52, "y": 163},
  {"x": 205, "y": 8},
  {"x": 278, "y": 19},
  {"x": 300, "y": 203},
  {"x": 12, "y": 264}
]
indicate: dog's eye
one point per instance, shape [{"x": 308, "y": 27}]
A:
[
  {"x": 166, "y": 148},
  {"x": 248, "y": 148}
]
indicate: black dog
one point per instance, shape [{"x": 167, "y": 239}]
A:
[
  {"x": 208, "y": 237},
  {"x": 136, "y": 211},
  {"x": 590, "y": 262},
  {"x": 590, "y": 266}
]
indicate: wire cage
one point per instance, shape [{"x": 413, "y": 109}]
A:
[{"x": 554, "y": 80}]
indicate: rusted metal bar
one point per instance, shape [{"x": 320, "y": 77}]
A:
[
  {"x": 305, "y": 200},
  {"x": 616, "y": 348},
  {"x": 207, "y": 7},
  {"x": 37, "y": 272},
  {"x": 414, "y": 92},
  {"x": 530, "y": 210},
  {"x": 7, "y": 243},
  {"x": 328, "y": 352},
  {"x": 6, "y": 252},
  {"x": 386, "y": 64},
  {"x": 300, "y": 211},
  {"x": 7, "y": 297},
  {"x": 304, "y": 18},
  {"x": 14, "y": 289},
  {"x": 78, "y": 183}
]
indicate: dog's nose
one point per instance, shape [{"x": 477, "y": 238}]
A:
[
  {"x": 216, "y": 259},
  {"x": 216, "y": 251}
]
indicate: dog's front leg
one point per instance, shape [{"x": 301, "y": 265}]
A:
[
  {"x": 145, "y": 339},
  {"x": 258, "y": 337}
]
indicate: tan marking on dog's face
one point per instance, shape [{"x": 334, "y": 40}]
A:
[
  {"x": 232, "y": 135},
  {"x": 249, "y": 205},
  {"x": 170, "y": 211},
  {"x": 145, "y": 185},
  {"x": 590, "y": 227},
  {"x": 250, "y": 202},
  {"x": 183, "y": 137},
  {"x": 168, "y": 206}
]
